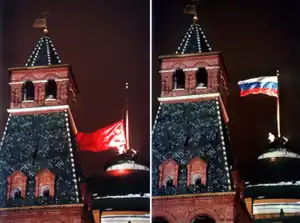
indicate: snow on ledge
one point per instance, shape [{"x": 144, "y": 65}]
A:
[
  {"x": 296, "y": 183},
  {"x": 187, "y": 97},
  {"x": 278, "y": 154},
  {"x": 33, "y": 109},
  {"x": 123, "y": 196},
  {"x": 272, "y": 208},
  {"x": 132, "y": 218},
  {"x": 128, "y": 165}
]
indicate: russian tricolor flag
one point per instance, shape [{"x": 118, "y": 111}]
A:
[{"x": 260, "y": 85}]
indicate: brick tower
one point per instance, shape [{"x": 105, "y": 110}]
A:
[
  {"x": 39, "y": 180},
  {"x": 191, "y": 162}
]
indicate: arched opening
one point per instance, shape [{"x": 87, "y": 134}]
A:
[
  {"x": 28, "y": 91},
  {"x": 203, "y": 219},
  {"x": 159, "y": 220},
  {"x": 51, "y": 89},
  {"x": 201, "y": 77},
  {"x": 178, "y": 79},
  {"x": 45, "y": 191},
  {"x": 169, "y": 181},
  {"x": 168, "y": 174},
  {"x": 196, "y": 180},
  {"x": 16, "y": 193}
]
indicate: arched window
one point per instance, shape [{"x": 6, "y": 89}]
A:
[
  {"x": 44, "y": 183},
  {"x": 178, "y": 79},
  {"x": 168, "y": 174},
  {"x": 201, "y": 77},
  {"x": 16, "y": 193},
  {"x": 159, "y": 220},
  {"x": 51, "y": 89},
  {"x": 28, "y": 91},
  {"x": 196, "y": 172},
  {"x": 203, "y": 219},
  {"x": 16, "y": 185}
]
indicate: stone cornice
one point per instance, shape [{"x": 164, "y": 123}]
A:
[{"x": 42, "y": 207}]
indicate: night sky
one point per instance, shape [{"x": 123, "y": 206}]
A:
[
  {"x": 107, "y": 43},
  {"x": 255, "y": 38}
]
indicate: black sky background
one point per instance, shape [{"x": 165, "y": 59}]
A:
[
  {"x": 255, "y": 37},
  {"x": 107, "y": 43}
]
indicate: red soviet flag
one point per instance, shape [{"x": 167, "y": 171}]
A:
[{"x": 112, "y": 136}]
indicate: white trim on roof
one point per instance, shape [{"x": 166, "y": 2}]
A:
[
  {"x": 124, "y": 218},
  {"x": 288, "y": 183},
  {"x": 187, "y": 97},
  {"x": 44, "y": 108},
  {"x": 188, "y": 69},
  {"x": 278, "y": 154},
  {"x": 38, "y": 81},
  {"x": 123, "y": 196},
  {"x": 128, "y": 165}
]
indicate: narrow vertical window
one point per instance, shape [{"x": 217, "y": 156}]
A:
[
  {"x": 201, "y": 77},
  {"x": 196, "y": 172},
  {"x": 28, "y": 91},
  {"x": 45, "y": 184},
  {"x": 179, "y": 79},
  {"x": 168, "y": 174},
  {"x": 16, "y": 185},
  {"x": 51, "y": 89}
]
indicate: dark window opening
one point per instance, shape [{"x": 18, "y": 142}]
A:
[
  {"x": 169, "y": 182},
  {"x": 178, "y": 79},
  {"x": 28, "y": 91},
  {"x": 203, "y": 219},
  {"x": 51, "y": 89},
  {"x": 202, "y": 77},
  {"x": 46, "y": 193},
  {"x": 16, "y": 193},
  {"x": 198, "y": 181},
  {"x": 159, "y": 220}
]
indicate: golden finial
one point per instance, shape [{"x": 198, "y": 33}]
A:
[
  {"x": 192, "y": 9},
  {"x": 42, "y": 22}
]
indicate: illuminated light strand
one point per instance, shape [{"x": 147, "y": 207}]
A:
[
  {"x": 47, "y": 41},
  {"x": 223, "y": 144},
  {"x": 155, "y": 121},
  {"x": 185, "y": 40},
  {"x": 72, "y": 156},
  {"x": 5, "y": 130}
]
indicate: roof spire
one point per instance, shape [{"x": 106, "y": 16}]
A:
[
  {"x": 192, "y": 10},
  {"x": 194, "y": 40},
  {"x": 42, "y": 22},
  {"x": 44, "y": 53}
]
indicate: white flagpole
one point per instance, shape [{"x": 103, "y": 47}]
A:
[
  {"x": 278, "y": 106},
  {"x": 127, "y": 117}
]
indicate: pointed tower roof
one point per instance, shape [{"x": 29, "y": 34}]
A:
[
  {"x": 194, "y": 40},
  {"x": 43, "y": 54}
]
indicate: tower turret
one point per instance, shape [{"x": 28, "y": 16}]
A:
[
  {"x": 39, "y": 175},
  {"x": 191, "y": 160}
]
